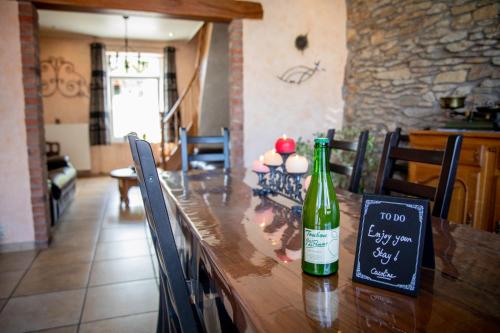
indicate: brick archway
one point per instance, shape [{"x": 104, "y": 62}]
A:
[{"x": 28, "y": 20}]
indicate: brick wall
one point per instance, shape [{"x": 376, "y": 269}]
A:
[
  {"x": 28, "y": 21},
  {"x": 236, "y": 92}
]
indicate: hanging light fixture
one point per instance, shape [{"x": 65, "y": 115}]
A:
[{"x": 141, "y": 64}]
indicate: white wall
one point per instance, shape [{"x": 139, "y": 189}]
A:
[
  {"x": 215, "y": 96},
  {"x": 272, "y": 107},
  {"x": 74, "y": 142},
  {"x": 16, "y": 218}
]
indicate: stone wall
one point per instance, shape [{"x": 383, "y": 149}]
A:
[{"x": 406, "y": 54}]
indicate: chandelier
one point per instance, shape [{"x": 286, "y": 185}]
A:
[{"x": 139, "y": 66}]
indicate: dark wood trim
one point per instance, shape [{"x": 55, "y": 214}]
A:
[
  {"x": 355, "y": 170},
  {"x": 447, "y": 179},
  {"x": 412, "y": 189},
  {"x": 417, "y": 155},
  {"x": 447, "y": 159},
  {"x": 205, "y": 10},
  {"x": 344, "y": 145}
]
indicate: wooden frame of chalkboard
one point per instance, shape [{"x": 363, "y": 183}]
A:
[{"x": 391, "y": 240}]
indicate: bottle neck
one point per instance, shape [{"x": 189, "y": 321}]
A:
[{"x": 321, "y": 158}]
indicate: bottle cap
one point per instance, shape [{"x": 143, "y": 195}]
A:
[{"x": 321, "y": 140}]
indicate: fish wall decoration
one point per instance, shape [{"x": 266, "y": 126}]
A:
[{"x": 300, "y": 73}]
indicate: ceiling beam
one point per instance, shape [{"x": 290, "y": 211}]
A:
[{"x": 205, "y": 10}]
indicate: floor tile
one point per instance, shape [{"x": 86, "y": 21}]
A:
[
  {"x": 63, "y": 256},
  {"x": 116, "y": 222},
  {"x": 122, "y": 234},
  {"x": 83, "y": 214},
  {"x": 65, "y": 329},
  {"x": 120, "y": 299},
  {"x": 8, "y": 281},
  {"x": 38, "y": 312},
  {"x": 74, "y": 239},
  {"x": 121, "y": 270},
  {"x": 45, "y": 279},
  {"x": 142, "y": 323},
  {"x": 82, "y": 226},
  {"x": 69, "y": 218},
  {"x": 16, "y": 261},
  {"x": 117, "y": 217},
  {"x": 125, "y": 249},
  {"x": 2, "y": 303}
]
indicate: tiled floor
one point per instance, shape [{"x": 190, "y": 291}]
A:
[{"x": 97, "y": 276}]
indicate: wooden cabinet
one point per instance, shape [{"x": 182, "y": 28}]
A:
[{"x": 476, "y": 194}]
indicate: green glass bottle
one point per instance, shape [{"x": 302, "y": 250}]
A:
[{"x": 320, "y": 217}]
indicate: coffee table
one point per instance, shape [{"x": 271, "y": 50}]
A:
[{"x": 126, "y": 179}]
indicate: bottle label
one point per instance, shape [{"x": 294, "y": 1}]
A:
[{"x": 321, "y": 246}]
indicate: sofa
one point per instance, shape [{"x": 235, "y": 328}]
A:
[{"x": 61, "y": 182}]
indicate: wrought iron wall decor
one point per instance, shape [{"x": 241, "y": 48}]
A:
[
  {"x": 301, "y": 42},
  {"x": 300, "y": 74},
  {"x": 59, "y": 75}
]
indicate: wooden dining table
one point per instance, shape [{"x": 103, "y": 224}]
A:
[{"x": 245, "y": 251}]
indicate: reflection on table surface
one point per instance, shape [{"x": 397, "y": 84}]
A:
[{"x": 251, "y": 248}]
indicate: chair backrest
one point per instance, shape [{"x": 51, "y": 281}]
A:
[
  {"x": 176, "y": 287},
  {"x": 400, "y": 137},
  {"x": 447, "y": 159},
  {"x": 217, "y": 157},
  {"x": 355, "y": 170},
  {"x": 401, "y": 167}
]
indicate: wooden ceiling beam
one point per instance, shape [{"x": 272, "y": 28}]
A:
[{"x": 204, "y": 10}]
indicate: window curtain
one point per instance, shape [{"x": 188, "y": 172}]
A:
[
  {"x": 99, "y": 129},
  {"x": 171, "y": 95}
]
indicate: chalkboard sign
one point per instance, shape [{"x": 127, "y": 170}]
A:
[{"x": 391, "y": 240}]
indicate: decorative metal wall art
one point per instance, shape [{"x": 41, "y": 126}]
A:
[
  {"x": 59, "y": 75},
  {"x": 300, "y": 74},
  {"x": 301, "y": 42}
]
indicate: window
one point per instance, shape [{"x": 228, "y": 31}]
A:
[{"x": 135, "y": 96}]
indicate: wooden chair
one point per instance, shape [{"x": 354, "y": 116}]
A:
[
  {"x": 176, "y": 313},
  {"x": 217, "y": 157},
  {"x": 355, "y": 170},
  {"x": 401, "y": 167},
  {"x": 447, "y": 159}
]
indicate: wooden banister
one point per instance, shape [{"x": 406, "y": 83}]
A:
[{"x": 186, "y": 109}]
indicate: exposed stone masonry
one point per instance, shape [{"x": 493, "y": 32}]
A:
[{"x": 406, "y": 54}]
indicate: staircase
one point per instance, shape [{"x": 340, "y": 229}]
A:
[{"x": 186, "y": 110}]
